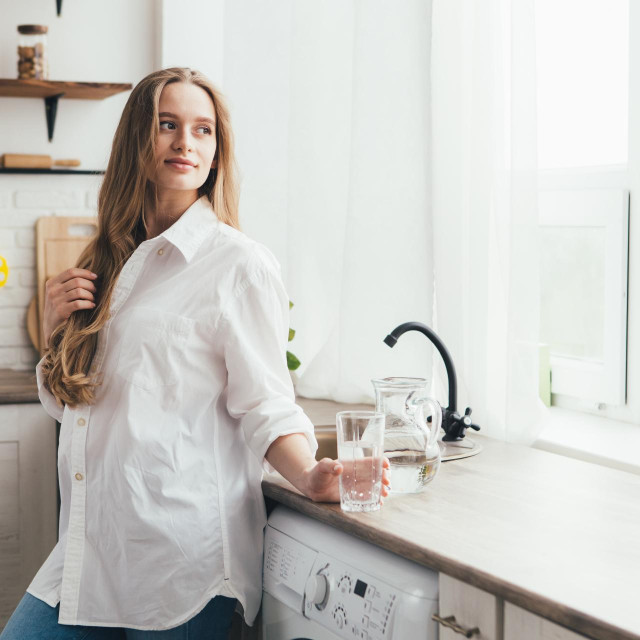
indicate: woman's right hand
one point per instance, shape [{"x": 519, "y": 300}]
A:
[{"x": 67, "y": 292}]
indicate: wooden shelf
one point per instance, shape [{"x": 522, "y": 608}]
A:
[
  {"x": 53, "y": 90},
  {"x": 11, "y": 88},
  {"x": 92, "y": 172}
]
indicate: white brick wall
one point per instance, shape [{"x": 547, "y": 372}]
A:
[
  {"x": 48, "y": 199},
  {"x": 24, "y": 199}
]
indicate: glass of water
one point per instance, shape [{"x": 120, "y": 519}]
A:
[{"x": 360, "y": 452}]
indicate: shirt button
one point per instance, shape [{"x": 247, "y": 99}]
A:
[
  {"x": 79, "y": 476},
  {"x": 160, "y": 252},
  {"x": 81, "y": 422}
]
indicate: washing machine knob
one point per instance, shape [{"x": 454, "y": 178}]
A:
[{"x": 316, "y": 590}]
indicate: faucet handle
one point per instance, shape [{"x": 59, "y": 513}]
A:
[
  {"x": 455, "y": 425},
  {"x": 467, "y": 420}
]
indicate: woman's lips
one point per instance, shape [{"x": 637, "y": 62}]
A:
[{"x": 179, "y": 166}]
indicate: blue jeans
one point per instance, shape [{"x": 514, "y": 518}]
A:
[{"x": 34, "y": 619}]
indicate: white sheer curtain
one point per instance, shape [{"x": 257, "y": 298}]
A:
[
  {"x": 362, "y": 171},
  {"x": 331, "y": 108},
  {"x": 484, "y": 208}
]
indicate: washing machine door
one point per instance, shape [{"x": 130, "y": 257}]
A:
[{"x": 279, "y": 622}]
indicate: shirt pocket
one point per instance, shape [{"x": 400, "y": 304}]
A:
[{"x": 153, "y": 348}]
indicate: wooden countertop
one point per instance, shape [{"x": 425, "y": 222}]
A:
[
  {"x": 556, "y": 536},
  {"x": 18, "y": 387}
]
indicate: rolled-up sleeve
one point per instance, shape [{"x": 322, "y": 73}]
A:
[
  {"x": 254, "y": 330},
  {"x": 46, "y": 397}
]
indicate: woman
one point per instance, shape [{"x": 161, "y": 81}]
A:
[{"x": 166, "y": 367}]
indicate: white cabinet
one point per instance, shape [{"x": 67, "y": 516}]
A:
[
  {"x": 473, "y": 613},
  {"x": 28, "y": 503},
  {"x": 523, "y": 625},
  {"x": 466, "y": 608}
]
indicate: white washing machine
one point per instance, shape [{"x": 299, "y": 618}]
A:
[{"x": 322, "y": 584}]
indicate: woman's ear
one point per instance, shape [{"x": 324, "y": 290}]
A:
[{"x": 214, "y": 162}]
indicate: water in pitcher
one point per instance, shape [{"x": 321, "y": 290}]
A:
[
  {"x": 361, "y": 479},
  {"x": 410, "y": 470}
]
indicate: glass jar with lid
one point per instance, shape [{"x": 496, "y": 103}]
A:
[{"x": 32, "y": 52}]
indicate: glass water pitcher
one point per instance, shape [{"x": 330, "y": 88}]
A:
[{"x": 412, "y": 425}]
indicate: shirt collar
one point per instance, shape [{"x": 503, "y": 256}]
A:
[{"x": 189, "y": 231}]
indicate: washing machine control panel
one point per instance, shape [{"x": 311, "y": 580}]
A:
[
  {"x": 287, "y": 568},
  {"x": 354, "y": 604},
  {"x": 320, "y": 579}
]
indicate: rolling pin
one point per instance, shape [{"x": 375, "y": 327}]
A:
[{"x": 32, "y": 161}]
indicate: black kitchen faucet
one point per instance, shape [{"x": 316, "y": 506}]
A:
[{"x": 453, "y": 423}]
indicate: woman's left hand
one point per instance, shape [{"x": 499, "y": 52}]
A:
[{"x": 321, "y": 482}]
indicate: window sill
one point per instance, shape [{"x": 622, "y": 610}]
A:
[{"x": 599, "y": 440}]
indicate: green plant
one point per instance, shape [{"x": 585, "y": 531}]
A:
[{"x": 292, "y": 362}]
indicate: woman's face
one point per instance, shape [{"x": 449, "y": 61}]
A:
[{"x": 186, "y": 142}]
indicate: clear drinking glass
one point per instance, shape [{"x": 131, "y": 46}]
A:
[{"x": 360, "y": 436}]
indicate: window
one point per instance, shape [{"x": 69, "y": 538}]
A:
[
  {"x": 583, "y": 278},
  {"x": 583, "y": 60},
  {"x": 582, "y": 57}
]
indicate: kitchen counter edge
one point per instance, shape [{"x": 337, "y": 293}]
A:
[{"x": 18, "y": 387}]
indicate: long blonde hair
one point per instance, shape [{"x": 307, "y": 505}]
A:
[{"x": 124, "y": 194}]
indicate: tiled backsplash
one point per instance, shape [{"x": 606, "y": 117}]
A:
[{"x": 24, "y": 199}]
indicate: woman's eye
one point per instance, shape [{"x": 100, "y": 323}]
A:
[
  {"x": 204, "y": 129},
  {"x": 167, "y": 125}
]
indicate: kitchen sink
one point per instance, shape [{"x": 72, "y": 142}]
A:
[
  {"x": 328, "y": 446},
  {"x": 323, "y": 414},
  {"x": 327, "y": 443}
]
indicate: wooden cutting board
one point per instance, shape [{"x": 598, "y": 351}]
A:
[{"x": 59, "y": 243}]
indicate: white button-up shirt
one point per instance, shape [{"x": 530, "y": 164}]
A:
[{"x": 162, "y": 507}]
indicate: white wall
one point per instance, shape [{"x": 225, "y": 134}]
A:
[
  {"x": 192, "y": 38},
  {"x": 92, "y": 41}
]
